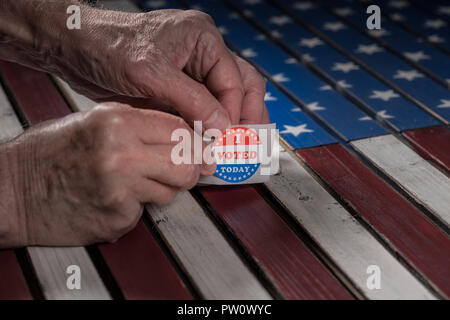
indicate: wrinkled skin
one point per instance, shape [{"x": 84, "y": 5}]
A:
[
  {"x": 84, "y": 178},
  {"x": 90, "y": 173}
]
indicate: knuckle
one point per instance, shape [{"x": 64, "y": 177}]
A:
[{"x": 200, "y": 16}]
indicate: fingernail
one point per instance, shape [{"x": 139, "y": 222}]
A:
[{"x": 218, "y": 120}]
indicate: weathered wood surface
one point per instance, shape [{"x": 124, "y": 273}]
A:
[
  {"x": 340, "y": 235},
  {"x": 414, "y": 174}
]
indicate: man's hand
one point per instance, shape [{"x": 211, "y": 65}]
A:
[
  {"x": 85, "y": 178},
  {"x": 162, "y": 59}
]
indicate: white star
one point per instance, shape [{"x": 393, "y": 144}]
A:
[
  {"x": 222, "y": 29},
  {"x": 290, "y": 61},
  {"x": 445, "y": 104},
  {"x": 310, "y": 42},
  {"x": 344, "y": 67},
  {"x": 280, "y": 20},
  {"x": 296, "y": 109},
  {"x": 274, "y": 34},
  {"x": 384, "y": 95},
  {"x": 343, "y": 12},
  {"x": 398, "y": 4},
  {"x": 334, "y": 26},
  {"x": 378, "y": 33},
  {"x": 416, "y": 56},
  {"x": 307, "y": 57},
  {"x": 380, "y": 114},
  {"x": 443, "y": 10},
  {"x": 397, "y": 17},
  {"x": 369, "y": 49},
  {"x": 434, "y": 38},
  {"x": 314, "y": 106},
  {"x": 340, "y": 83},
  {"x": 409, "y": 75},
  {"x": 302, "y": 6},
  {"x": 279, "y": 77},
  {"x": 154, "y": 4},
  {"x": 268, "y": 97},
  {"x": 249, "y": 53},
  {"x": 435, "y": 24},
  {"x": 296, "y": 130},
  {"x": 252, "y": 2}
]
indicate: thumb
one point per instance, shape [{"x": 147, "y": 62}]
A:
[{"x": 195, "y": 102}]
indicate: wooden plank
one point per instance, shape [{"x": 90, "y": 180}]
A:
[
  {"x": 407, "y": 231},
  {"x": 432, "y": 143},
  {"x": 216, "y": 278},
  {"x": 373, "y": 94},
  {"x": 46, "y": 97},
  {"x": 50, "y": 263},
  {"x": 51, "y": 266},
  {"x": 214, "y": 267},
  {"x": 291, "y": 266},
  {"x": 10, "y": 126},
  {"x": 414, "y": 174},
  {"x": 150, "y": 277},
  {"x": 383, "y": 63},
  {"x": 12, "y": 282},
  {"x": 343, "y": 238}
]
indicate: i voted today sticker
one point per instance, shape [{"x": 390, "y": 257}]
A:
[
  {"x": 245, "y": 154},
  {"x": 236, "y": 153}
]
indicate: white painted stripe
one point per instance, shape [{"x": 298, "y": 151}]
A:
[
  {"x": 348, "y": 244},
  {"x": 206, "y": 256},
  {"x": 415, "y": 175}
]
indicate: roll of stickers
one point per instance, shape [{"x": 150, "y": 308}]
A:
[{"x": 245, "y": 154}]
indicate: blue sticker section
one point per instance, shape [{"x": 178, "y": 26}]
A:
[
  {"x": 419, "y": 86},
  {"x": 295, "y": 127},
  {"x": 409, "y": 45},
  {"x": 435, "y": 29},
  {"x": 384, "y": 101},
  {"x": 236, "y": 172},
  {"x": 339, "y": 113}
]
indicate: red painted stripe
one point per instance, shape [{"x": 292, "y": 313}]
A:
[
  {"x": 432, "y": 143},
  {"x": 12, "y": 281},
  {"x": 34, "y": 92},
  {"x": 397, "y": 220},
  {"x": 296, "y": 272},
  {"x": 156, "y": 280},
  {"x": 132, "y": 259}
]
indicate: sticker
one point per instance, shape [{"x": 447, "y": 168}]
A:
[
  {"x": 245, "y": 154},
  {"x": 236, "y": 153}
]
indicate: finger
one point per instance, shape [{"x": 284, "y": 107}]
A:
[
  {"x": 224, "y": 80},
  {"x": 150, "y": 191},
  {"x": 265, "y": 118},
  {"x": 155, "y": 127},
  {"x": 253, "y": 106},
  {"x": 194, "y": 101},
  {"x": 164, "y": 164}
]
